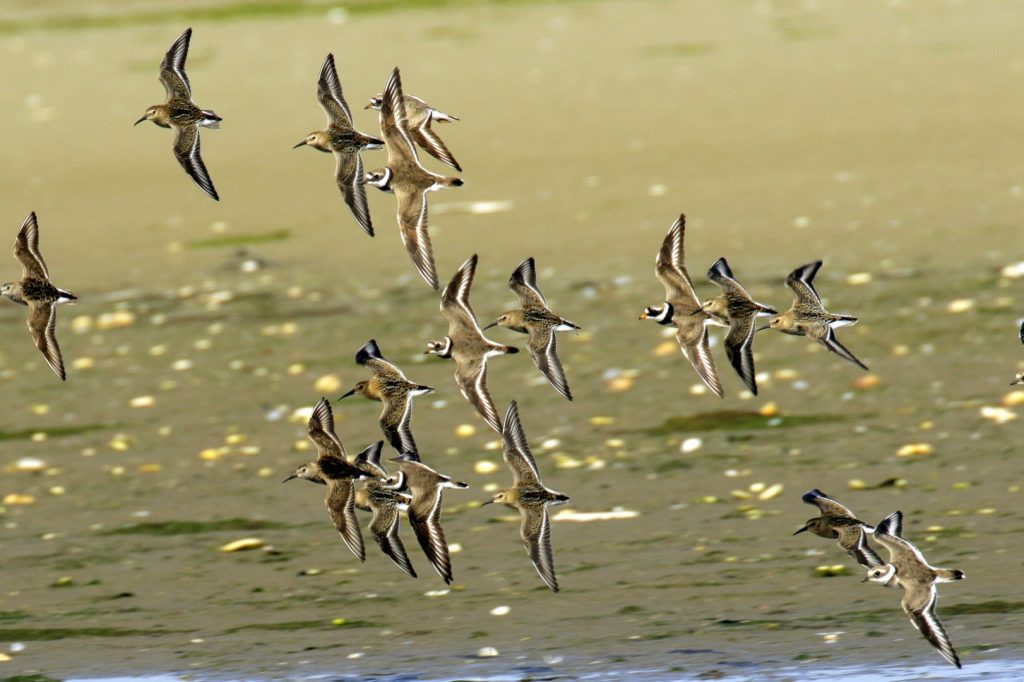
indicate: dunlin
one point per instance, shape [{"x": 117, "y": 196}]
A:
[
  {"x": 381, "y": 496},
  {"x": 181, "y": 113},
  {"x": 425, "y": 511},
  {"x": 529, "y": 495},
  {"x": 535, "y": 318},
  {"x": 35, "y": 291},
  {"x": 682, "y": 308},
  {"x": 467, "y": 345},
  {"x": 333, "y": 469},
  {"x": 410, "y": 181},
  {"x": 736, "y": 308},
  {"x": 807, "y": 316},
  {"x": 419, "y": 115},
  {"x": 838, "y": 522},
  {"x": 389, "y": 386},
  {"x": 344, "y": 141}
]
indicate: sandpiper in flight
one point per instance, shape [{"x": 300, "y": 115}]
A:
[
  {"x": 419, "y": 115},
  {"x": 467, "y": 345},
  {"x": 908, "y": 569},
  {"x": 807, "y": 317},
  {"x": 389, "y": 385},
  {"x": 735, "y": 307},
  {"x": 333, "y": 469},
  {"x": 344, "y": 141},
  {"x": 838, "y": 522},
  {"x": 682, "y": 308},
  {"x": 381, "y": 496},
  {"x": 529, "y": 495},
  {"x": 410, "y": 181},
  {"x": 35, "y": 291},
  {"x": 535, "y": 318},
  {"x": 180, "y": 113},
  {"x": 1019, "y": 379},
  {"x": 425, "y": 511}
]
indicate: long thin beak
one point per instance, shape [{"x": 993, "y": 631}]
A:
[
  {"x": 484, "y": 504},
  {"x": 139, "y": 121},
  {"x": 643, "y": 316},
  {"x": 492, "y": 324},
  {"x": 352, "y": 392},
  {"x": 299, "y": 144},
  {"x": 696, "y": 312},
  {"x": 761, "y": 329},
  {"x": 290, "y": 478},
  {"x": 800, "y": 531}
]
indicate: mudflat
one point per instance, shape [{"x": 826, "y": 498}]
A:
[{"x": 881, "y": 138}]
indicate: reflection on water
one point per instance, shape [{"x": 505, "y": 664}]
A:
[{"x": 982, "y": 670}]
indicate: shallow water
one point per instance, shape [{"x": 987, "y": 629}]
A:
[{"x": 786, "y": 131}]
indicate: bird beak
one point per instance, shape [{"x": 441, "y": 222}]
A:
[
  {"x": 696, "y": 312},
  {"x": 369, "y": 106},
  {"x": 299, "y": 144},
  {"x": 865, "y": 580},
  {"x": 492, "y": 324},
  {"x": 289, "y": 478},
  {"x": 761, "y": 329},
  {"x": 352, "y": 392},
  {"x": 484, "y": 504},
  {"x": 643, "y": 316},
  {"x": 139, "y": 121},
  {"x": 800, "y": 531}
]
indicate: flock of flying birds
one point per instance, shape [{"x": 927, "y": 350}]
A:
[{"x": 405, "y": 123}]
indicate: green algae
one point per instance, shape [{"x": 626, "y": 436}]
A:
[
  {"x": 721, "y": 420},
  {"x": 193, "y": 527}
]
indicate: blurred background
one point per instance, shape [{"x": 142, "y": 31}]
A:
[{"x": 881, "y": 137}]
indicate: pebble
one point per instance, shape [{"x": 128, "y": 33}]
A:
[
  {"x": 485, "y": 466},
  {"x": 665, "y": 349},
  {"x": 143, "y": 401},
  {"x": 771, "y": 492},
  {"x": 83, "y": 363},
  {"x": 114, "y": 320},
  {"x": 867, "y": 381},
  {"x": 486, "y": 652},
  {"x": 465, "y": 430},
  {"x": 15, "y": 500},
  {"x": 960, "y": 305},
  {"x": 691, "y": 445},
  {"x": 830, "y": 571},
  {"x": 328, "y": 383},
  {"x": 242, "y": 545},
  {"x": 1013, "y": 398},
  {"x": 500, "y": 610},
  {"x": 583, "y": 517},
  {"x": 999, "y": 415},
  {"x": 915, "y": 449},
  {"x": 29, "y": 464}
]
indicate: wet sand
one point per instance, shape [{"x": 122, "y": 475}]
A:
[{"x": 880, "y": 138}]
